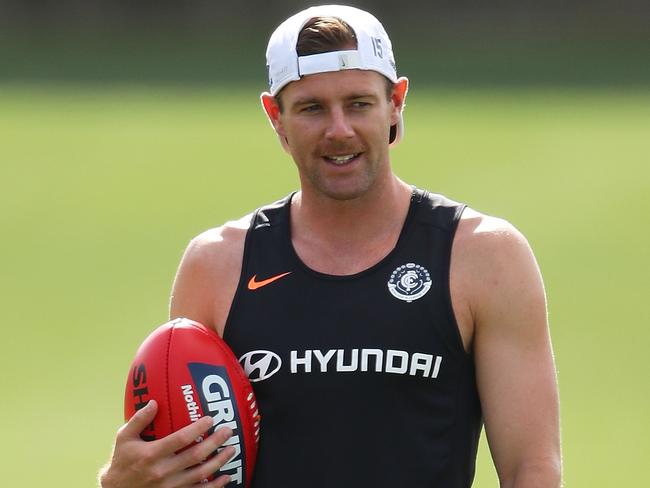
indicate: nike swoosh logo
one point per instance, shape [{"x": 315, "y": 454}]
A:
[{"x": 254, "y": 285}]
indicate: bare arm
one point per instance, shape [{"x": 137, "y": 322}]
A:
[
  {"x": 203, "y": 290},
  {"x": 208, "y": 275},
  {"x": 513, "y": 355}
]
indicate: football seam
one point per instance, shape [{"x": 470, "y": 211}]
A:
[
  {"x": 168, "y": 393},
  {"x": 249, "y": 419},
  {"x": 225, "y": 351}
]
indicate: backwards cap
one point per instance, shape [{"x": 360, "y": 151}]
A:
[{"x": 374, "y": 50}]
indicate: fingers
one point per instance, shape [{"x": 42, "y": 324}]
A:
[
  {"x": 203, "y": 471},
  {"x": 140, "y": 420},
  {"x": 201, "y": 451},
  {"x": 139, "y": 463},
  {"x": 184, "y": 437}
]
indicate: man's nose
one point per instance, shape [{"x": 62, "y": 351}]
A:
[{"x": 338, "y": 125}]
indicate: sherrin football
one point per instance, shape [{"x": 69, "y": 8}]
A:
[{"x": 191, "y": 372}]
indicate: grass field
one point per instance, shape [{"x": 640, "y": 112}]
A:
[{"x": 102, "y": 187}]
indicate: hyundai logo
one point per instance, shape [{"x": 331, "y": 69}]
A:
[{"x": 260, "y": 365}]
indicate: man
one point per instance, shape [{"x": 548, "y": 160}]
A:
[{"x": 399, "y": 320}]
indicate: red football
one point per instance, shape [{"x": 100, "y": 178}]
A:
[{"x": 191, "y": 372}]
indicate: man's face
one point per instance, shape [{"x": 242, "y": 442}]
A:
[{"x": 336, "y": 127}]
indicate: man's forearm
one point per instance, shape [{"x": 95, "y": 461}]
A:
[{"x": 535, "y": 475}]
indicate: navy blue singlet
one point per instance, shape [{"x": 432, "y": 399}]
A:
[{"x": 361, "y": 380}]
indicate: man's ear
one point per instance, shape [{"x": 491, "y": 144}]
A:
[
  {"x": 398, "y": 97},
  {"x": 272, "y": 110}
]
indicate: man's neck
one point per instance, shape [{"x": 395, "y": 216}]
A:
[{"x": 344, "y": 237}]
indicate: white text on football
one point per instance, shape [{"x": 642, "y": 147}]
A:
[
  {"x": 217, "y": 394},
  {"x": 192, "y": 407}
]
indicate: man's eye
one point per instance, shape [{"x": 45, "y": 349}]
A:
[
  {"x": 310, "y": 108},
  {"x": 359, "y": 104}
]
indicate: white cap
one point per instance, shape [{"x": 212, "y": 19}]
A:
[{"x": 374, "y": 50}]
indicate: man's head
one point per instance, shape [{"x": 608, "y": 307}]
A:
[
  {"x": 330, "y": 38},
  {"x": 335, "y": 100}
]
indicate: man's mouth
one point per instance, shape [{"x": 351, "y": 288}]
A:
[{"x": 342, "y": 159}]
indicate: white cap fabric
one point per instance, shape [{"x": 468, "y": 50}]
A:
[{"x": 374, "y": 50}]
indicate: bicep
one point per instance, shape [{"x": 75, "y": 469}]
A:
[
  {"x": 514, "y": 361},
  {"x": 190, "y": 296},
  {"x": 208, "y": 275}
]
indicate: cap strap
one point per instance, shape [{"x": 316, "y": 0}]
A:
[{"x": 332, "y": 61}]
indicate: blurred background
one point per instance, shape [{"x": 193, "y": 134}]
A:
[
  {"x": 436, "y": 42},
  {"x": 126, "y": 128}
]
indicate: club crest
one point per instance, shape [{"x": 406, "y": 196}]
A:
[{"x": 409, "y": 282}]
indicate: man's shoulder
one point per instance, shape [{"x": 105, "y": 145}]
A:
[
  {"x": 493, "y": 270},
  {"x": 208, "y": 274},
  {"x": 228, "y": 231},
  {"x": 491, "y": 256},
  {"x": 488, "y": 248},
  {"x": 227, "y": 241},
  {"x": 222, "y": 242},
  {"x": 480, "y": 231}
]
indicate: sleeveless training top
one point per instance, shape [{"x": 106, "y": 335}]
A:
[{"x": 361, "y": 380}]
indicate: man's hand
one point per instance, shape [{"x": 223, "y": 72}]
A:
[{"x": 138, "y": 464}]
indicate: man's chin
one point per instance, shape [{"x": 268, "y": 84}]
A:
[
  {"x": 343, "y": 194},
  {"x": 343, "y": 189}
]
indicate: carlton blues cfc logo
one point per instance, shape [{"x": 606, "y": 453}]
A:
[{"x": 409, "y": 282}]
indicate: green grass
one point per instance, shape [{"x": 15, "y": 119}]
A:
[{"x": 102, "y": 187}]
